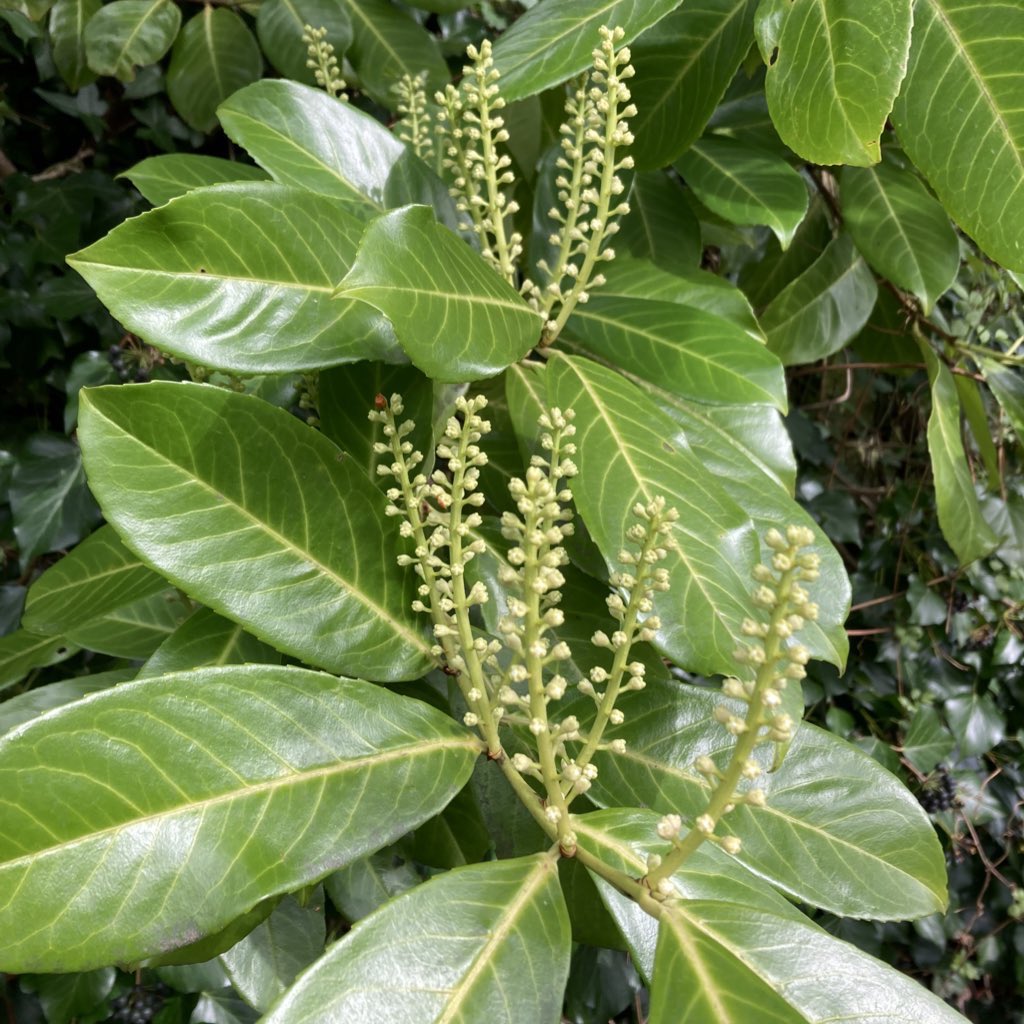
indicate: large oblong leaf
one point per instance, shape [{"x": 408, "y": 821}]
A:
[
  {"x": 556, "y": 39},
  {"x": 280, "y": 25},
  {"x": 746, "y": 185},
  {"x": 305, "y": 138},
  {"x": 489, "y": 942},
  {"x": 837, "y": 832},
  {"x": 259, "y": 517},
  {"x": 958, "y": 117},
  {"x": 455, "y": 317},
  {"x": 162, "y": 178},
  {"x": 900, "y": 229},
  {"x": 144, "y": 817},
  {"x": 240, "y": 277},
  {"x": 68, "y": 19},
  {"x": 625, "y": 456},
  {"x": 834, "y": 70},
  {"x": 127, "y": 34}
]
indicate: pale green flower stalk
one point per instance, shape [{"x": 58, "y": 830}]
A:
[
  {"x": 473, "y": 130},
  {"x": 414, "y": 126},
  {"x": 776, "y": 658},
  {"x": 602, "y": 116},
  {"x": 323, "y": 62}
]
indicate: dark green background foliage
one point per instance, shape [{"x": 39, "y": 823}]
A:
[{"x": 889, "y": 351}]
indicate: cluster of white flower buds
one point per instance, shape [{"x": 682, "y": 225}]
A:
[
  {"x": 323, "y": 62},
  {"x": 414, "y": 125},
  {"x": 472, "y": 130}
]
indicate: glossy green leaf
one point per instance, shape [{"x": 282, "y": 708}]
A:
[
  {"x": 958, "y": 117},
  {"x": 215, "y": 55},
  {"x": 900, "y": 229},
  {"x": 97, "y": 577},
  {"x": 683, "y": 67},
  {"x": 240, "y": 277},
  {"x": 976, "y": 722},
  {"x": 67, "y": 40},
  {"x": 34, "y": 10},
  {"x": 68, "y": 997},
  {"x": 838, "y": 831},
  {"x": 367, "y": 883},
  {"x": 555, "y": 39},
  {"x": 386, "y": 44},
  {"x": 291, "y": 563},
  {"x": 691, "y": 353},
  {"x": 268, "y": 959},
  {"x": 455, "y": 317},
  {"x": 928, "y": 741},
  {"x": 32, "y": 703},
  {"x": 127, "y": 34},
  {"x": 824, "y": 308},
  {"x": 1007, "y": 385},
  {"x": 22, "y": 651},
  {"x": 696, "y": 977},
  {"x": 486, "y": 942},
  {"x": 133, "y": 630},
  {"x": 161, "y": 178},
  {"x": 280, "y": 25},
  {"x": 306, "y": 139},
  {"x": 222, "y": 1006},
  {"x": 624, "y": 456},
  {"x": 196, "y": 796},
  {"x": 746, "y": 186},
  {"x": 834, "y": 70},
  {"x": 206, "y": 638},
  {"x": 959, "y": 512},
  {"x": 660, "y": 225}
]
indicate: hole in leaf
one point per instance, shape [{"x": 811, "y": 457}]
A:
[{"x": 774, "y": 57}]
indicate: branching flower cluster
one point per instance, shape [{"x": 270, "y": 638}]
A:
[
  {"x": 414, "y": 125},
  {"x": 514, "y": 679},
  {"x": 323, "y": 62},
  {"x": 771, "y": 659},
  {"x": 589, "y": 187}
]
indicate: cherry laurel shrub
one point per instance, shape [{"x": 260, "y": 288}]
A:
[{"x": 539, "y": 495}]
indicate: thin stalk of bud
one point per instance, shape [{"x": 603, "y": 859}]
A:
[
  {"x": 414, "y": 126},
  {"x": 323, "y": 62}
]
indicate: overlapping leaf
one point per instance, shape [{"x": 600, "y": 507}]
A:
[
  {"x": 960, "y": 517},
  {"x": 456, "y": 319},
  {"x": 838, "y": 831},
  {"x": 486, "y": 942},
  {"x": 149, "y": 815},
  {"x": 190, "y": 476},
  {"x": 305, "y": 138},
  {"x": 824, "y": 308},
  {"x": 834, "y": 71},
  {"x": 161, "y": 178},
  {"x": 683, "y": 67},
  {"x": 630, "y": 452},
  {"x": 240, "y": 277},
  {"x": 745, "y": 185},
  {"x": 135, "y": 629},
  {"x": 127, "y": 34},
  {"x": 900, "y": 229},
  {"x": 959, "y": 119},
  {"x": 555, "y": 40},
  {"x": 22, "y": 651},
  {"x": 660, "y": 225},
  {"x": 67, "y": 40},
  {"x": 280, "y": 25}
]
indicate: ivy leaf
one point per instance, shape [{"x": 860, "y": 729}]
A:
[
  {"x": 824, "y": 308},
  {"x": 928, "y": 740},
  {"x": 306, "y": 139},
  {"x": 180, "y": 470},
  {"x": 181, "y": 808},
  {"x": 206, "y": 638},
  {"x": 746, "y": 186},
  {"x": 683, "y": 67},
  {"x": 900, "y": 229},
  {"x": 162, "y": 178},
  {"x": 214, "y": 56},
  {"x": 961, "y": 96},
  {"x": 68, "y": 19},
  {"x": 195, "y": 279},
  {"x": 97, "y": 577},
  {"x": 556, "y": 39},
  {"x": 833, "y": 74},
  {"x": 280, "y": 25},
  {"x": 486, "y": 941},
  {"x": 687, "y": 351},
  {"x": 455, "y": 317},
  {"x": 386, "y": 44},
  {"x": 127, "y": 34},
  {"x": 960, "y": 517},
  {"x": 838, "y": 831},
  {"x": 976, "y": 722},
  {"x": 625, "y": 456}
]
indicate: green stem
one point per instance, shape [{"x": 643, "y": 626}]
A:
[{"x": 494, "y": 193}]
